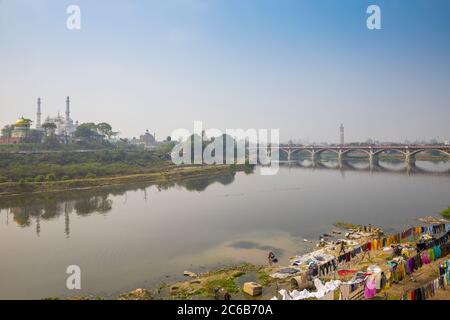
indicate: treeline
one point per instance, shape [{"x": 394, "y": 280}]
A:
[{"x": 75, "y": 165}]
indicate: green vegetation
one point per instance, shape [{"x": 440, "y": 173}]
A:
[
  {"x": 164, "y": 175},
  {"x": 446, "y": 213},
  {"x": 345, "y": 225},
  {"x": 263, "y": 277},
  {"x": 92, "y": 161},
  {"x": 226, "y": 278},
  {"x": 63, "y": 166},
  {"x": 227, "y": 283}
]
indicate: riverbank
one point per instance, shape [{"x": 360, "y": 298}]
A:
[
  {"x": 160, "y": 175},
  {"x": 276, "y": 279}
]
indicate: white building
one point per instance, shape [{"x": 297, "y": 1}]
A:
[{"x": 65, "y": 126}]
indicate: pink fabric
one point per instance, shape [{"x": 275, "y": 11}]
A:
[
  {"x": 371, "y": 288},
  {"x": 425, "y": 259}
]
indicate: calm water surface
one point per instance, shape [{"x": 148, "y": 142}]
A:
[{"x": 139, "y": 236}]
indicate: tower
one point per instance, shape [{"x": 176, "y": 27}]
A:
[
  {"x": 67, "y": 109},
  {"x": 38, "y": 114},
  {"x": 342, "y": 134}
]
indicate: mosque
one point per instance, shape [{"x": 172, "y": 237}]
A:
[{"x": 65, "y": 126}]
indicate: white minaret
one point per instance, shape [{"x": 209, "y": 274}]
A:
[
  {"x": 38, "y": 114},
  {"x": 341, "y": 129},
  {"x": 67, "y": 109}
]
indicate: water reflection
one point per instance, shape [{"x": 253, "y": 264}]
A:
[
  {"x": 386, "y": 166},
  {"x": 27, "y": 210},
  {"x": 23, "y": 210}
]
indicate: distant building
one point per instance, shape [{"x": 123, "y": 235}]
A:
[
  {"x": 17, "y": 132},
  {"x": 342, "y": 132},
  {"x": 65, "y": 126},
  {"x": 21, "y": 128},
  {"x": 147, "y": 140}
]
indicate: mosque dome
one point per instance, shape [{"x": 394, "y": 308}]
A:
[{"x": 22, "y": 122}]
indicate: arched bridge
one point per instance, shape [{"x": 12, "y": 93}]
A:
[{"x": 408, "y": 151}]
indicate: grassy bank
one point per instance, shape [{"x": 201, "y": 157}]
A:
[{"x": 159, "y": 174}]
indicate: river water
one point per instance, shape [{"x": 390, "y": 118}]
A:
[{"x": 141, "y": 235}]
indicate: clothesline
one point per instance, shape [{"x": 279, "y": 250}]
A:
[
  {"x": 398, "y": 270},
  {"x": 429, "y": 290},
  {"x": 328, "y": 263}
]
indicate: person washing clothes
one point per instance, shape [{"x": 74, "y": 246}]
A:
[
  {"x": 342, "y": 250},
  {"x": 271, "y": 258}
]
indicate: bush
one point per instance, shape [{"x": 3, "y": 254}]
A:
[
  {"x": 65, "y": 178},
  {"x": 39, "y": 178},
  {"x": 3, "y": 179},
  {"x": 446, "y": 213},
  {"x": 50, "y": 177},
  {"x": 91, "y": 176}
]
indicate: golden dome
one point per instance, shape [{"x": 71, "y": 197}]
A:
[{"x": 22, "y": 122}]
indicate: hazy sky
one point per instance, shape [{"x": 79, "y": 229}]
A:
[{"x": 301, "y": 66}]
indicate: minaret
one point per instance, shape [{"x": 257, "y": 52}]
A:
[
  {"x": 342, "y": 135},
  {"x": 67, "y": 110},
  {"x": 38, "y": 114}
]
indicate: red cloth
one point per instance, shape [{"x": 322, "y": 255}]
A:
[{"x": 346, "y": 272}]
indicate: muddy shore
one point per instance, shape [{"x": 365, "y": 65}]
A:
[{"x": 231, "y": 279}]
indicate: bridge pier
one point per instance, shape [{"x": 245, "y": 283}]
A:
[
  {"x": 289, "y": 155},
  {"x": 410, "y": 159},
  {"x": 315, "y": 156},
  {"x": 340, "y": 155},
  {"x": 374, "y": 160}
]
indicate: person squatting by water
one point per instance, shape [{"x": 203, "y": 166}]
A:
[{"x": 271, "y": 258}]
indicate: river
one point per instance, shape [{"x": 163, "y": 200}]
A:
[{"x": 141, "y": 235}]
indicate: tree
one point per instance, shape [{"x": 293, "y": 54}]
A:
[
  {"x": 35, "y": 136},
  {"x": 51, "y": 142},
  {"x": 87, "y": 131},
  {"x": 7, "y": 131},
  {"x": 49, "y": 128},
  {"x": 106, "y": 130}
]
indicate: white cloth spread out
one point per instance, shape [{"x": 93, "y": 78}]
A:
[
  {"x": 317, "y": 257},
  {"x": 319, "y": 285},
  {"x": 322, "y": 291},
  {"x": 285, "y": 295}
]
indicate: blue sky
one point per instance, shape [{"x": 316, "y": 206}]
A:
[{"x": 301, "y": 66}]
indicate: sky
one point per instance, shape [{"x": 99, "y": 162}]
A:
[{"x": 301, "y": 66}]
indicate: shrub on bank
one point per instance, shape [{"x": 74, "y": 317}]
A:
[
  {"x": 446, "y": 213},
  {"x": 39, "y": 178}
]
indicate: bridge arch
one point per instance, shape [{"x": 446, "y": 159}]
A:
[
  {"x": 348, "y": 151},
  {"x": 430, "y": 150},
  {"x": 322, "y": 150},
  {"x": 380, "y": 151}
]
